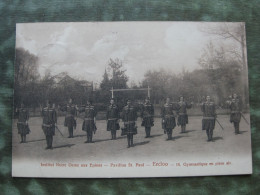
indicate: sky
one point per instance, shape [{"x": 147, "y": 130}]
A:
[{"x": 83, "y": 49}]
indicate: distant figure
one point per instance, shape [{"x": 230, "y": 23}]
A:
[
  {"x": 129, "y": 116},
  {"x": 70, "y": 121},
  {"x": 168, "y": 118},
  {"x": 89, "y": 123},
  {"x": 48, "y": 124},
  {"x": 22, "y": 124},
  {"x": 235, "y": 112},
  {"x": 209, "y": 116},
  {"x": 112, "y": 119},
  {"x": 182, "y": 107},
  {"x": 147, "y": 114}
]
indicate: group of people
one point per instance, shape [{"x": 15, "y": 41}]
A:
[{"x": 129, "y": 116}]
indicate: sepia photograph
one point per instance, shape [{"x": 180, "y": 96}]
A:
[{"x": 131, "y": 99}]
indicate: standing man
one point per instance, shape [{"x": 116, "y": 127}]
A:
[
  {"x": 129, "y": 116},
  {"x": 147, "y": 113},
  {"x": 22, "y": 124},
  {"x": 209, "y": 116},
  {"x": 182, "y": 107},
  {"x": 168, "y": 119},
  {"x": 48, "y": 124},
  {"x": 235, "y": 112},
  {"x": 70, "y": 121},
  {"x": 112, "y": 119},
  {"x": 89, "y": 123}
]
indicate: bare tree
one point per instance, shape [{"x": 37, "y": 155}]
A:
[
  {"x": 26, "y": 67},
  {"x": 26, "y": 75},
  {"x": 235, "y": 32}
]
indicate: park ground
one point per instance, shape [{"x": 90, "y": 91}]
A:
[{"x": 192, "y": 143}]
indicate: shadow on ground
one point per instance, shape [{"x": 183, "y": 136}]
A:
[
  {"x": 188, "y": 131},
  {"x": 141, "y": 143},
  {"x": 217, "y": 138},
  {"x": 177, "y": 137},
  {"x": 80, "y": 135},
  {"x": 38, "y": 140},
  {"x": 104, "y": 140},
  {"x": 242, "y": 132},
  {"x": 157, "y": 135},
  {"x": 64, "y": 146}
]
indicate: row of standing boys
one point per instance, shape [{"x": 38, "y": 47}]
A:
[{"x": 129, "y": 117}]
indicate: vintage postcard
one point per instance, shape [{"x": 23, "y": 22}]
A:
[{"x": 131, "y": 99}]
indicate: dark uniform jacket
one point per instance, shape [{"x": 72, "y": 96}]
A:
[
  {"x": 147, "y": 112},
  {"x": 90, "y": 114},
  {"x": 23, "y": 116},
  {"x": 182, "y": 112},
  {"x": 71, "y": 112},
  {"x": 209, "y": 115},
  {"x": 235, "y": 110},
  {"x": 167, "y": 113},
  {"x": 112, "y": 118},
  {"x": 129, "y": 116},
  {"x": 49, "y": 120}
]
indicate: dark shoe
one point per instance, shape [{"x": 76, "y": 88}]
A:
[
  {"x": 69, "y": 137},
  {"x": 128, "y": 146},
  {"x": 47, "y": 148},
  {"x": 86, "y": 142}
]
